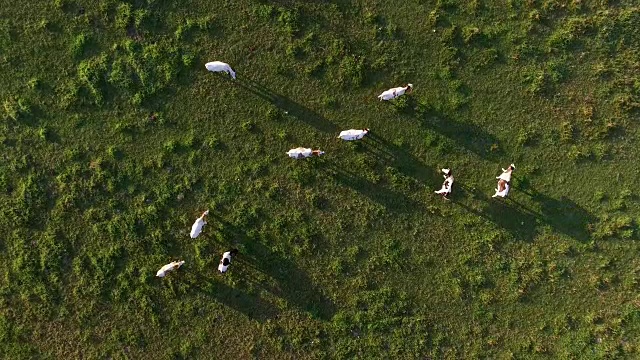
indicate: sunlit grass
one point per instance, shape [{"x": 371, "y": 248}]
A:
[{"x": 115, "y": 138}]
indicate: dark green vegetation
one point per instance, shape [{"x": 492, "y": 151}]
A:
[{"x": 114, "y": 138}]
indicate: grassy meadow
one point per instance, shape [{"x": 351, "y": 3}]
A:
[{"x": 114, "y": 138}]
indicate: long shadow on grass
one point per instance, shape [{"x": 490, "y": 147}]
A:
[
  {"x": 522, "y": 225},
  {"x": 392, "y": 200},
  {"x": 292, "y": 108},
  {"x": 563, "y": 215},
  {"x": 401, "y": 159},
  {"x": 467, "y": 135},
  {"x": 254, "y": 307},
  {"x": 293, "y": 284}
]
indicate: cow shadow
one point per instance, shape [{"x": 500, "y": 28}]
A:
[
  {"x": 245, "y": 302},
  {"x": 289, "y": 106},
  {"x": 400, "y": 158},
  {"x": 562, "y": 215},
  {"x": 293, "y": 284},
  {"x": 522, "y": 225},
  {"x": 468, "y": 135},
  {"x": 392, "y": 200}
]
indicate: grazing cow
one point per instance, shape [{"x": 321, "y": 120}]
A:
[
  {"x": 301, "y": 153},
  {"x": 196, "y": 228},
  {"x": 353, "y": 134},
  {"x": 169, "y": 267},
  {"x": 226, "y": 260},
  {"x": 219, "y": 66},
  {"x": 395, "y": 92},
  {"x": 446, "y": 185},
  {"x": 503, "y": 188},
  {"x": 504, "y": 181}
]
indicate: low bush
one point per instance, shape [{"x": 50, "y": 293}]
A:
[{"x": 78, "y": 45}]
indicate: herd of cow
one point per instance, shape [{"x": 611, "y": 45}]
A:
[{"x": 502, "y": 189}]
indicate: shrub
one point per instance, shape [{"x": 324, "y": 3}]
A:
[
  {"x": 336, "y": 51},
  {"x": 526, "y": 137},
  {"x": 43, "y": 24},
  {"x": 78, "y": 45},
  {"x": 469, "y": 33},
  {"x": 330, "y": 102},
  {"x": 92, "y": 73},
  {"x": 11, "y": 109},
  {"x": 24, "y": 107},
  {"x": 392, "y": 31},
  {"x": 486, "y": 57},
  {"x": 449, "y": 35},
  {"x": 140, "y": 16},
  {"x": 170, "y": 71},
  {"x": 274, "y": 114},
  {"x": 626, "y": 103},
  {"x": 560, "y": 39},
  {"x": 137, "y": 99},
  {"x": 212, "y": 142},
  {"x": 31, "y": 199},
  {"x": 294, "y": 50},
  {"x": 205, "y": 23},
  {"x": 273, "y": 191},
  {"x": 314, "y": 200},
  {"x": 433, "y": 17},
  {"x": 43, "y": 133},
  {"x": 114, "y": 152},
  {"x": 263, "y": 11},
  {"x": 248, "y": 125},
  {"x": 121, "y": 75},
  {"x": 4, "y": 183},
  {"x": 34, "y": 83},
  {"x": 189, "y": 141},
  {"x": 600, "y": 151},
  {"x": 17, "y": 109},
  {"x": 170, "y": 146},
  {"x": 51, "y": 252},
  {"x": 60, "y": 4},
  {"x": 616, "y": 226},
  {"x": 123, "y": 16},
  {"x": 188, "y": 60},
  {"x": 557, "y": 70},
  {"x": 579, "y": 153},
  {"x": 537, "y": 82},
  {"x": 351, "y": 72},
  {"x": 566, "y": 132},
  {"x": 180, "y": 32},
  {"x": 289, "y": 20}
]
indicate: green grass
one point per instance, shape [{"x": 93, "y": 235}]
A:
[{"x": 114, "y": 138}]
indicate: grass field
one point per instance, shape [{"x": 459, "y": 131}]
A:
[{"x": 114, "y": 138}]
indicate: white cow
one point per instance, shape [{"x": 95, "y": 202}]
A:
[
  {"x": 301, "y": 153},
  {"x": 395, "y": 92},
  {"x": 446, "y": 185},
  {"x": 226, "y": 260},
  {"x": 504, "y": 181},
  {"x": 169, "y": 267},
  {"x": 503, "y": 189},
  {"x": 353, "y": 134},
  {"x": 219, "y": 66},
  {"x": 196, "y": 228}
]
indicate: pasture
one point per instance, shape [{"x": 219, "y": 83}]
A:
[{"x": 114, "y": 138}]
